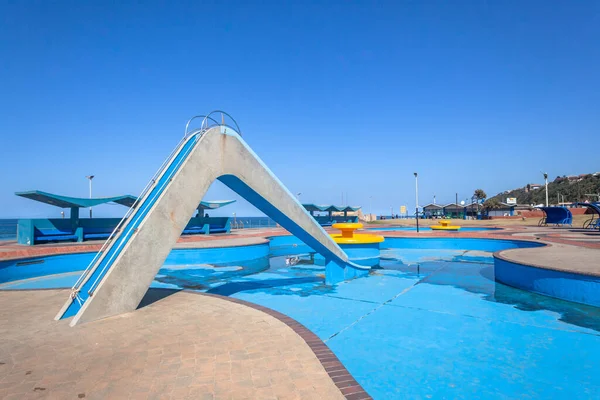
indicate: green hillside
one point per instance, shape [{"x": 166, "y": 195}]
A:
[{"x": 571, "y": 189}]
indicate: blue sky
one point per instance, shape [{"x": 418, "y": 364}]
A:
[{"x": 335, "y": 97}]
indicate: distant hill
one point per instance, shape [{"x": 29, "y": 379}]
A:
[{"x": 570, "y": 188}]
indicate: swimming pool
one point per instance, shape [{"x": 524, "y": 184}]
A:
[{"x": 432, "y": 323}]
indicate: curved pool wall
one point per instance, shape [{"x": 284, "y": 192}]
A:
[
  {"x": 584, "y": 289},
  {"x": 490, "y": 245},
  {"x": 426, "y": 228},
  {"x": 14, "y": 270},
  {"x": 367, "y": 254},
  {"x": 21, "y": 269},
  {"x": 285, "y": 245}
]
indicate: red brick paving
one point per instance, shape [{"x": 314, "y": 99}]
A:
[
  {"x": 336, "y": 370},
  {"x": 183, "y": 346}
]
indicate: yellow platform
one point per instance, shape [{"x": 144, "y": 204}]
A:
[
  {"x": 349, "y": 237},
  {"x": 445, "y": 226}
]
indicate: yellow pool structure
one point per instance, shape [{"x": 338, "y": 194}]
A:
[
  {"x": 347, "y": 235},
  {"x": 445, "y": 226},
  {"x": 361, "y": 248}
]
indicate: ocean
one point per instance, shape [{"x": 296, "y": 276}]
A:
[
  {"x": 254, "y": 222},
  {"x": 8, "y": 227}
]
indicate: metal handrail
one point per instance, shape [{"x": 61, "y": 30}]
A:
[
  {"x": 93, "y": 287},
  {"x": 207, "y": 119},
  {"x": 145, "y": 192},
  {"x": 223, "y": 114},
  {"x": 204, "y": 117},
  {"x": 82, "y": 279}
]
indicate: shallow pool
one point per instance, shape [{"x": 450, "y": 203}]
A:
[{"x": 432, "y": 323}]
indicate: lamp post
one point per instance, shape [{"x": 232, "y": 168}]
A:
[
  {"x": 298, "y": 195},
  {"x": 90, "y": 177},
  {"x": 417, "y": 199},
  {"x": 457, "y": 208},
  {"x": 546, "y": 180},
  {"x": 370, "y": 207}
]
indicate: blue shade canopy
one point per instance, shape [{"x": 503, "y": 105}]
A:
[
  {"x": 81, "y": 202},
  {"x": 557, "y": 215},
  {"x": 594, "y": 206},
  {"x": 204, "y": 205},
  {"x": 317, "y": 208},
  {"x": 75, "y": 202}
]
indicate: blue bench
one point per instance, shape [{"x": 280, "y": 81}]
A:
[
  {"x": 194, "y": 230},
  {"x": 205, "y": 229},
  {"x": 97, "y": 233},
  {"x": 217, "y": 229},
  {"x": 53, "y": 235}
]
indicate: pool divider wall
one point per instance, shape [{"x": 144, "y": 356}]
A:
[
  {"x": 363, "y": 254},
  {"x": 579, "y": 288},
  {"x": 483, "y": 244},
  {"x": 27, "y": 268}
]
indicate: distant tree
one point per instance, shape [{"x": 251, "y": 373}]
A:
[
  {"x": 479, "y": 194},
  {"x": 491, "y": 204}
]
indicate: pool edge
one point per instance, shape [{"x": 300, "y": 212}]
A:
[{"x": 561, "y": 283}]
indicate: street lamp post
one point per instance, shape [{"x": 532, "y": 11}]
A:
[
  {"x": 417, "y": 200},
  {"x": 299, "y": 194},
  {"x": 370, "y": 208},
  {"x": 457, "y": 208},
  {"x": 546, "y": 180},
  {"x": 90, "y": 177}
]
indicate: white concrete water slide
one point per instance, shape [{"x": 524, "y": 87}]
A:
[{"x": 119, "y": 276}]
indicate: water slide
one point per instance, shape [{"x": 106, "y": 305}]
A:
[{"x": 121, "y": 273}]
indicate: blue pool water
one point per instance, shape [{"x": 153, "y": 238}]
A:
[{"x": 432, "y": 323}]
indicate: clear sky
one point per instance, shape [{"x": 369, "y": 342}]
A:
[{"x": 335, "y": 97}]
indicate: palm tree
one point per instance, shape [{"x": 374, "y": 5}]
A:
[{"x": 479, "y": 194}]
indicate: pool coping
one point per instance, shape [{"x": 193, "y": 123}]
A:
[
  {"x": 505, "y": 257},
  {"x": 341, "y": 377},
  {"x": 26, "y": 252}
]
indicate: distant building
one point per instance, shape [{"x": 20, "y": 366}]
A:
[
  {"x": 532, "y": 186},
  {"x": 503, "y": 210},
  {"x": 433, "y": 210}
]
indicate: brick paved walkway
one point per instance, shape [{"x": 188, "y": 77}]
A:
[{"x": 182, "y": 346}]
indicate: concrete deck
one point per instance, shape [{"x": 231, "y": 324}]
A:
[
  {"x": 558, "y": 257},
  {"x": 183, "y": 346}
]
